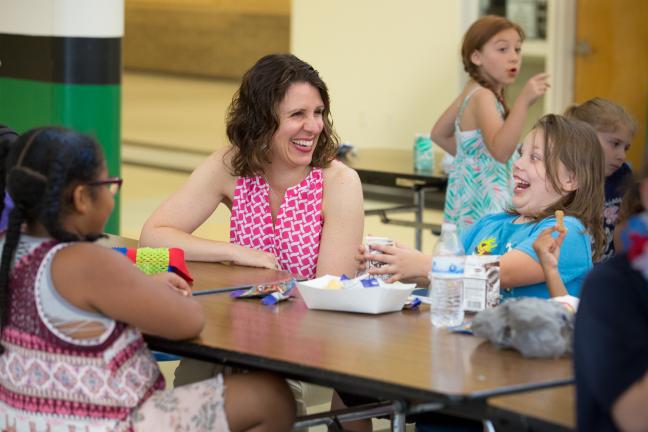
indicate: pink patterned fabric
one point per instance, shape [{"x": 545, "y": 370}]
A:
[
  {"x": 46, "y": 381},
  {"x": 197, "y": 407},
  {"x": 296, "y": 234}
]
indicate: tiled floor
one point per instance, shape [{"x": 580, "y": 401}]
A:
[{"x": 173, "y": 123}]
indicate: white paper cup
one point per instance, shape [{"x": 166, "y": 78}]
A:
[{"x": 372, "y": 264}]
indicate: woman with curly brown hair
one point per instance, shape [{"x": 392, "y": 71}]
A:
[{"x": 293, "y": 206}]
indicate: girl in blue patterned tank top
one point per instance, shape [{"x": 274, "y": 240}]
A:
[{"x": 478, "y": 128}]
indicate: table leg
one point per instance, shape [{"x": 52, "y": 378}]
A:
[
  {"x": 398, "y": 417},
  {"x": 335, "y": 418}
]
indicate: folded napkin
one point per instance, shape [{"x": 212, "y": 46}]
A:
[{"x": 158, "y": 260}]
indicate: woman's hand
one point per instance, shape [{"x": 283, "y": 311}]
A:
[
  {"x": 547, "y": 247},
  {"x": 401, "y": 262},
  {"x": 255, "y": 258},
  {"x": 535, "y": 88},
  {"x": 174, "y": 282}
]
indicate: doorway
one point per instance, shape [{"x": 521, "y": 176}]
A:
[{"x": 611, "y": 60}]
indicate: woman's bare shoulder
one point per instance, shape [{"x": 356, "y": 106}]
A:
[
  {"x": 338, "y": 172},
  {"x": 341, "y": 183},
  {"x": 221, "y": 158},
  {"x": 217, "y": 167}
]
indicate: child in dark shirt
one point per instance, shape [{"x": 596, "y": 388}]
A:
[{"x": 611, "y": 333}]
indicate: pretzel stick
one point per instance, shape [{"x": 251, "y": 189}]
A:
[{"x": 560, "y": 223}]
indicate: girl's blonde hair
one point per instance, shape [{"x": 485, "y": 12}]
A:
[
  {"x": 603, "y": 115},
  {"x": 574, "y": 143},
  {"x": 480, "y": 32}
]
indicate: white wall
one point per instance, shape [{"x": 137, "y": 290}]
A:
[{"x": 391, "y": 66}]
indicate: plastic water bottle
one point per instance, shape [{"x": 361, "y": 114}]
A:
[{"x": 446, "y": 279}]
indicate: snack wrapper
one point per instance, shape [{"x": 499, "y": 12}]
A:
[
  {"x": 270, "y": 293},
  {"x": 463, "y": 328},
  {"x": 158, "y": 260},
  {"x": 412, "y": 302},
  {"x": 344, "y": 282}
]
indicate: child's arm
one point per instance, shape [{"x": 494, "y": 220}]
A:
[
  {"x": 548, "y": 250},
  {"x": 98, "y": 279},
  {"x": 518, "y": 268},
  {"x": 501, "y": 137},
  {"x": 442, "y": 132}
]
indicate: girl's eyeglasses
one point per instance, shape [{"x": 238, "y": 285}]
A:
[{"x": 112, "y": 183}]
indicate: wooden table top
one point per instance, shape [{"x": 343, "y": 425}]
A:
[
  {"x": 401, "y": 349},
  {"x": 395, "y": 355},
  {"x": 555, "y": 406}
]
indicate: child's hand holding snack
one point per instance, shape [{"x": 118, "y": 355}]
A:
[{"x": 547, "y": 247}]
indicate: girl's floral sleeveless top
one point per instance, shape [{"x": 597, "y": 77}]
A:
[{"x": 478, "y": 185}]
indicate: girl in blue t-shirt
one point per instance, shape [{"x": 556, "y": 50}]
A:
[{"x": 560, "y": 168}]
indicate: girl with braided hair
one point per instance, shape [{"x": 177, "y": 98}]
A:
[
  {"x": 72, "y": 357},
  {"x": 478, "y": 128}
]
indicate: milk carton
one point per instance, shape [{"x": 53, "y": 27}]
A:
[{"x": 481, "y": 282}]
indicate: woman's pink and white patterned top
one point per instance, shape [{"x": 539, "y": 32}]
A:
[{"x": 295, "y": 236}]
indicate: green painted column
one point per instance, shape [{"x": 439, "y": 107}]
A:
[{"x": 60, "y": 64}]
